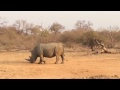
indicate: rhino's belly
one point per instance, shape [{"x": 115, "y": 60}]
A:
[{"x": 48, "y": 54}]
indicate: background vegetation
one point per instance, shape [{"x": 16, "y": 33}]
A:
[{"x": 24, "y": 35}]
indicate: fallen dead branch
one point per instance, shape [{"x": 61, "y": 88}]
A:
[{"x": 104, "y": 49}]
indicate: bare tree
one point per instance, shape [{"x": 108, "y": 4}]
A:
[
  {"x": 36, "y": 30},
  {"x": 3, "y": 22},
  {"x": 56, "y": 27},
  {"x": 17, "y": 24},
  {"x": 112, "y": 30},
  {"x": 83, "y": 25},
  {"x": 20, "y": 25},
  {"x": 28, "y": 28}
]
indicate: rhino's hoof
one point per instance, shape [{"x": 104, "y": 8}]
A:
[
  {"x": 40, "y": 63},
  {"x": 62, "y": 62},
  {"x": 44, "y": 62},
  {"x": 56, "y": 62}
]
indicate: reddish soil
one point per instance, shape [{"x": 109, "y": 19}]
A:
[{"x": 77, "y": 65}]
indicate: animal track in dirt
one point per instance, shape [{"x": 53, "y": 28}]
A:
[{"x": 3, "y": 70}]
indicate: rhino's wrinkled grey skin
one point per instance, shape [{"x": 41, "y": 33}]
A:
[{"x": 47, "y": 50}]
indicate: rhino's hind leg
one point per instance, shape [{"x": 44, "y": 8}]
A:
[
  {"x": 57, "y": 59},
  {"x": 44, "y": 61},
  {"x": 62, "y": 57}
]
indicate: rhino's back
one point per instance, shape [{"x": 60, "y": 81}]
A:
[{"x": 50, "y": 49}]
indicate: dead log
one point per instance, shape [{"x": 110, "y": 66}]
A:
[{"x": 104, "y": 49}]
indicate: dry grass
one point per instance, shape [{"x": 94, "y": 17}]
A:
[{"x": 77, "y": 65}]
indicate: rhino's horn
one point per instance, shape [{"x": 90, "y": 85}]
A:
[
  {"x": 30, "y": 50},
  {"x": 27, "y": 59}
]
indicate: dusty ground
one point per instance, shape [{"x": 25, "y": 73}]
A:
[{"x": 77, "y": 65}]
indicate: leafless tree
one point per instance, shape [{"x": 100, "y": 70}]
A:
[
  {"x": 83, "y": 25},
  {"x": 56, "y": 27}
]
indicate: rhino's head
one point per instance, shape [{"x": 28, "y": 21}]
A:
[{"x": 32, "y": 58}]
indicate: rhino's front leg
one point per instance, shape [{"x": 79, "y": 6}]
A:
[{"x": 41, "y": 59}]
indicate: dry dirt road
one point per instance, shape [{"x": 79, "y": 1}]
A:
[{"x": 77, "y": 66}]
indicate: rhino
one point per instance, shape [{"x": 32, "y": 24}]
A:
[{"x": 48, "y": 50}]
